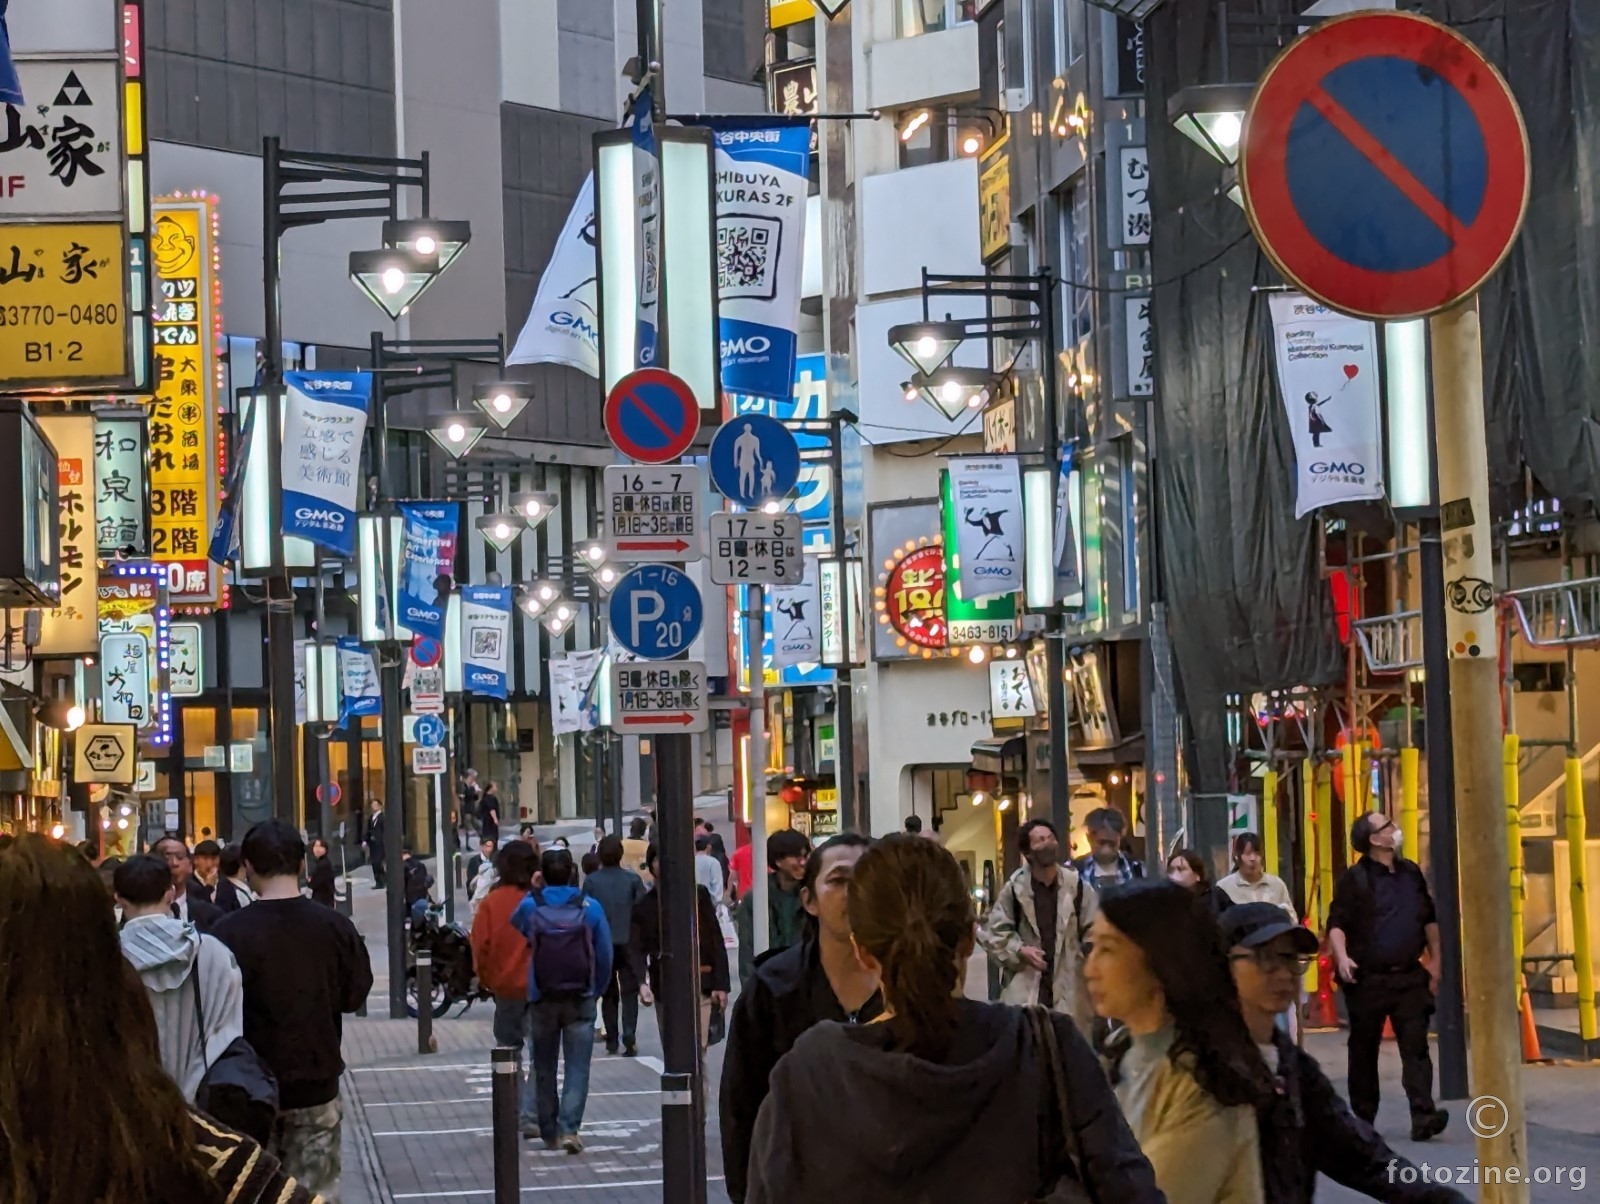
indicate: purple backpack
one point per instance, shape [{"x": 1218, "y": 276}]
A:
[{"x": 563, "y": 947}]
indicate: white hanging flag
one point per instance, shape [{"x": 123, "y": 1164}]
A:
[
  {"x": 1328, "y": 371},
  {"x": 796, "y": 619},
  {"x": 564, "y": 324},
  {"x": 570, "y": 679},
  {"x": 987, "y": 495}
]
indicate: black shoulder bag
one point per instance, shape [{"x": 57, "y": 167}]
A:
[
  {"x": 1074, "y": 1188},
  {"x": 238, "y": 1089}
]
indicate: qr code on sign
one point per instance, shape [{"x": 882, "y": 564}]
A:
[
  {"x": 748, "y": 249},
  {"x": 486, "y": 644}
]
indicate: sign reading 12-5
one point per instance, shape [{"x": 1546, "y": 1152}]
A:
[{"x": 656, "y": 612}]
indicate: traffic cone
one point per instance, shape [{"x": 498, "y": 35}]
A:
[
  {"x": 1530, "y": 1031},
  {"x": 1322, "y": 1014}
]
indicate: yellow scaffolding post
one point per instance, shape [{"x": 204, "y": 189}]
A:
[
  {"x": 1308, "y": 839},
  {"x": 1410, "y": 817},
  {"x": 1364, "y": 776},
  {"x": 1577, "y": 851},
  {"x": 1324, "y": 844},
  {"x": 1269, "y": 818},
  {"x": 1513, "y": 787},
  {"x": 1350, "y": 779}
]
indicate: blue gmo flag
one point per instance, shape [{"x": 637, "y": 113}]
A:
[
  {"x": 325, "y": 418},
  {"x": 486, "y": 640},
  {"x": 10, "y": 86},
  {"x": 361, "y": 691},
  {"x": 761, "y": 233},
  {"x": 427, "y": 564}
]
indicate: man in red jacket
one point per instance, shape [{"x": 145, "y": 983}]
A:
[{"x": 501, "y": 956}]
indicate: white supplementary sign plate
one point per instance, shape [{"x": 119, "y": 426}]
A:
[
  {"x": 428, "y": 760},
  {"x": 654, "y": 514},
  {"x": 757, "y": 549},
  {"x": 659, "y": 698}
]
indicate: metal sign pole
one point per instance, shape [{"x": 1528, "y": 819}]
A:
[{"x": 756, "y": 783}]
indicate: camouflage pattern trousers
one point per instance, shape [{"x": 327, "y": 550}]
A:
[{"x": 306, "y": 1141}]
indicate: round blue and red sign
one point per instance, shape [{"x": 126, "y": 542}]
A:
[
  {"x": 426, "y": 652},
  {"x": 1384, "y": 165},
  {"x": 652, "y": 416}
]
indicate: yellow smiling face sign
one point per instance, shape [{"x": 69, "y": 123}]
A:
[{"x": 174, "y": 249}]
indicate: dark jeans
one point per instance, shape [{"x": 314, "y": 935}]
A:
[
  {"x": 562, "y": 1028},
  {"x": 623, "y": 989},
  {"x": 1405, "y": 1000}
]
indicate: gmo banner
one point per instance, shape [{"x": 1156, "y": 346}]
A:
[
  {"x": 986, "y": 499},
  {"x": 564, "y": 324},
  {"x": 359, "y": 685},
  {"x": 761, "y": 231},
  {"x": 324, "y": 420},
  {"x": 647, "y": 233},
  {"x": 486, "y": 640},
  {"x": 1328, "y": 370},
  {"x": 427, "y": 564}
]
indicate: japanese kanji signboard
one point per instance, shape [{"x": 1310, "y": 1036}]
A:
[
  {"x": 183, "y": 425},
  {"x": 61, "y": 152},
  {"x": 133, "y": 645},
  {"x": 71, "y": 629},
  {"x": 119, "y": 485},
  {"x": 63, "y": 317}
]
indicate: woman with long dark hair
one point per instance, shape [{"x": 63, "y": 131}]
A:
[
  {"x": 86, "y": 1111},
  {"x": 319, "y": 873},
  {"x": 1188, "y": 869},
  {"x": 1186, "y": 1071},
  {"x": 943, "y": 1099}
]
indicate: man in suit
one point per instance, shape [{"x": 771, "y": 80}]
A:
[{"x": 191, "y": 898}]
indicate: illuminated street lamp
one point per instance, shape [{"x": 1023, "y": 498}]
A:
[
  {"x": 534, "y": 508},
  {"x": 429, "y": 236},
  {"x": 501, "y": 529},
  {"x": 324, "y": 682},
  {"x": 953, "y": 391},
  {"x": 927, "y": 346},
  {"x": 457, "y": 434},
  {"x": 392, "y": 278},
  {"x": 501, "y": 401},
  {"x": 1212, "y": 116}
]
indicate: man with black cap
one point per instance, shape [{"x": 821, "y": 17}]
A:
[{"x": 1306, "y": 1129}]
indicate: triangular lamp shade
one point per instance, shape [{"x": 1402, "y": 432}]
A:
[
  {"x": 457, "y": 435},
  {"x": 393, "y": 280}
]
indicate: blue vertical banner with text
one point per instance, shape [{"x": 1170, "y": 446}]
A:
[
  {"x": 10, "y": 86},
  {"x": 762, "y": 185},
  {"x": 427, "y": 564},
  {"x": 647, "y": 232},
  {"x": 325, "y": 419},
  {"x": 486, "y": 640},
  {"x": 361, "y": 691}
]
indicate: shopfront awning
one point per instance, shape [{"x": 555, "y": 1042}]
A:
[
  {"x": 1127, "y": 751},
  {"x": 1000, "y": 755},
  {"x": 16, "y": 755}
]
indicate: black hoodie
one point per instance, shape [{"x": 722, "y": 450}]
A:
[{"x": 850, "y": 1119}]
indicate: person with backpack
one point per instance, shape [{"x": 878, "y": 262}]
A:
[
  {"x": 305, "y": 966},
  {"x": 1036, "y": 930},
  {"x": 178, "y": 965},
  {"x": 571, "y": 950}
]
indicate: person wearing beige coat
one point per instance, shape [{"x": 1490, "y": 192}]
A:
[
  {"x": 1184, "y": 1066},
  {"x": 1010, "y": 934}
]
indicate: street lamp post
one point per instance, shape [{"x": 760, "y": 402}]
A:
[
  {"x": 304, "y": 189},
  {"x": 929, "y": 347}
]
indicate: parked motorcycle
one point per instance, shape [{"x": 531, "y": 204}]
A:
[{"x": 453, "y": 978}]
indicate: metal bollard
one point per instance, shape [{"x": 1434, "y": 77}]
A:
[
  {"x": 506, "y": 1063},
  {"x": 424, "y": 1001}
]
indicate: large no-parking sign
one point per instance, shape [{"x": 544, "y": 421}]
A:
[{"x": 1384, "y": 165}]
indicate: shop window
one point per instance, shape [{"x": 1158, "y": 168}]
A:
[{"x": 918, "y": 17}]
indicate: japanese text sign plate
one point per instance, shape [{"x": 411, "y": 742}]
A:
[
  {"x": 1384, "y": 165},
  {"x": 61, "y": 151},
  {"x": 757, "y": 549},
  {"x": 63, "y": 303},
  {"x": 660, "y": 699},
  {"x": 430, "y": 761},
  {"x": 654, "y": 514}
]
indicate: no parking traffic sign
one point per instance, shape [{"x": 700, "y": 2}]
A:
[
  {"x": 1384, "y": 165},
  {"x": 652, "y": 416}
]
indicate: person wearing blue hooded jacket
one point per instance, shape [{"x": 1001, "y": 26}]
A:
[{"x": 570, "y": 964}]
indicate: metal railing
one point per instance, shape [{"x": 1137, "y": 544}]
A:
[
  {"x": 1561, "y": 615},
  {"x": 1391, "y": 643}
]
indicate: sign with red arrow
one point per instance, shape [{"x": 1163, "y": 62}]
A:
[
  {"x": 663, "y": 698},
  {"x": 655, "y": 515}
]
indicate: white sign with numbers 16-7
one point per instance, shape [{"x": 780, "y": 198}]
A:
[
  {"x": 757, "y": 549},
  {"x": 652, "y": 515}
]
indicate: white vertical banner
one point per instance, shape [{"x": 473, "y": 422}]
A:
[
  {"x": 571, "y": 677},
  {"x": 486, "y": 640},
  {"x": 324, "y": 422},
  {"x": 795, "y": 622},
  {"x": 1011, "y": 693},
  {"x": 1140, "y": 345},
  {"x": 1328, "y": 371},
  {"x": 564, "y": 325},
  {"x": 301, "y": 693},
  {"x": 987, "y": 495},
  {"x": 647, "y": 235},
  {"x": 1135, "y": 163}
]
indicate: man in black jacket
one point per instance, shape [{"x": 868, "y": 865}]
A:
[
  {"x": 790, "y": 992},
  {"x": 1306, "y": 1129},
  {"x": 192, "y": 902},
  {"x": 644, "y": 950},
  {"x": 1379, "y": 926}
]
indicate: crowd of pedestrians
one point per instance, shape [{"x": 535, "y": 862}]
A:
[{"x": 1139, "y": 1052}]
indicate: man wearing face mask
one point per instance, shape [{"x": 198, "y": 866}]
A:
[
  {"x": 1035, "y": 932},
  {"x": 1381, "y": 922}
]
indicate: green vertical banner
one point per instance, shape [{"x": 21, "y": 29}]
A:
[{"x": 990, "y": 620}]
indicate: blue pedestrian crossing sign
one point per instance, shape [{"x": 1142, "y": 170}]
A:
[
  {"x": 754, "y": 460},
  {"x": 656, "y": 612},
  {"x": 429, "y": 731}
]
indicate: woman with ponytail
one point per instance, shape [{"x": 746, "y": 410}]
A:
[{"x": 942, "y": 1100}]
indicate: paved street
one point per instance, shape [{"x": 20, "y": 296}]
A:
[{"x": 418, "y": 1128}]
